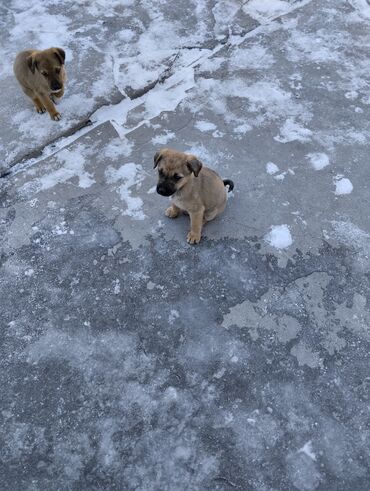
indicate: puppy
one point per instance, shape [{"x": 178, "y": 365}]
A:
[
  {"x": 195, "y": 189},
  {"x": 41, "y": 75}
]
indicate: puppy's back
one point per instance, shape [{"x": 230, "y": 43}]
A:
[{"x": 213, "y": 188}]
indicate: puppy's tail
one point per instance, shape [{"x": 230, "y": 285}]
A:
[{"x": 228, "y": 182}]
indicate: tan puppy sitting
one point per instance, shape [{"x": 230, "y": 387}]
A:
[
  {"x": 194, "y": 188},
  {"x": 41, "y": 75}
]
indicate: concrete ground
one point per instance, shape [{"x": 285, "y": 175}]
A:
[{"x": 133, "y": 361}]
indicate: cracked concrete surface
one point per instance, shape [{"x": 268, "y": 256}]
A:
[{"x": 130, "y": 360}]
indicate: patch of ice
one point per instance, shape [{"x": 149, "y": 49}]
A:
[
  {"x": 271, "y": 168},
  {"x": 265, "y": 10},
  {"x": 243, "y": 128},
  {"x": 362, "y": 7},
  {"x": 117, "y": 287},
  {"x": 205, "y": 126},
  {"x": 342, "y": 185},
  {"x": 307, "y": 450},
  {"x": 293, "y": 131},
  {"x": 305, "y": 356},
  {"x": 72, "y": 162},
  {"x": 280, "y": 177},
  {"x": 279, "y": 237},
  {"x": 253, "y": 57},
  {"x": 318, "y": 160},
  {"x": 163, "y": 139},
  {"x": 174, "y": 314},
  {"x": 118, "y": 147},
  {"x": 128, "y": 175}
]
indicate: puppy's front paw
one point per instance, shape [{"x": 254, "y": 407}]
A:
[
  {"x": 56, "y": 116},
  {"x": 41, "y": 110},
  {"x": 171, "y": 212},
  {"x": 193, "y": 238}
]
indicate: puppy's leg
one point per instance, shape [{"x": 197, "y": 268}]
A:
[
  {"x": 39, "y": 107},
  {"x": 48, "y": 104},
  {"x": 196, "y": 222},
  {"x": 172, "y": 211},
  {"x": 35, "y": 99}
]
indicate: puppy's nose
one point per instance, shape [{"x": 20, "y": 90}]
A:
[
  {"x": 160, "y": 189},
  {"x": 55, "y": 85}
]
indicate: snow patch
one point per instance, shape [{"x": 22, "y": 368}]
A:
[
  {"x": 163, "y": 139},
  {"x": 128, "y": 175},
  {"x": 265, "y": 10},
  {"x": 279, "y": 237},
  {"x": 293, "y": 131},
  {"x": 118, "y": 147},
  {"x": 205, "y": 126},
  {"x": 342, "y": 185},
  {"x": 318, "y": 160},
  {"x": 254, "y": 57},
  {"x": 271, "y": 168},
  {"x": 72, "y": 162},
  {"x": 307, "y": 450}
]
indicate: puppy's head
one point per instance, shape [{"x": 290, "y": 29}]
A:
[
  {"x": 175, "y": 170},
  {"x": 50, "y": 65}
]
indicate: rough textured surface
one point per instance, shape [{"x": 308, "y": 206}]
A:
[{"x": 130, "y": 360}]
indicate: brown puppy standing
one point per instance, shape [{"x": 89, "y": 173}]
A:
[
  {"x": 41, "y": 75},
  {"x": 194, "y": 188}
]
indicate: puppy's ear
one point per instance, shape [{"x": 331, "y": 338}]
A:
[
  {"x": 194, "y": 165},
  {"x": 157, "y": 158},
  {"x": 60, "y": 54},
  {"x": 32, "y": 63}
]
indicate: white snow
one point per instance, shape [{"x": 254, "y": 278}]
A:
[
  {"x": 265, "y": 10},
  {"x": 174, "y": 314},
  {"x": 318, "y": 160},
  {"x": 280, "y": 177},
  {"x": 253, "y": 57},
  {"x": 128, "y": 175},
  {"x": 205, "y": 126},
  {"x": 307, "y": 450},
  {"x": 271, "y": 168},
  {"x": 118, "y": 147},
  {"x": 70, "y": 163},
  {"x": 164, "y": 138},
  {"x": 117, "y": 287},
  {"x": 279, "y": 237},
  {"x": 362, "y": 6},
  {"x": 293, "y": 131},
  {"x": 342, "y": 185}
]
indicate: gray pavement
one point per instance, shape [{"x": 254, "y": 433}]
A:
[{"x": 131, "y": 360}]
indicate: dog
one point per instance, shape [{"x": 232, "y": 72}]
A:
[
  {"x": 195, "y": 189},
  {"x": 41, "y": 74}
]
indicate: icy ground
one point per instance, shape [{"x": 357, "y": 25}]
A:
[{"x": 132, "y": 361}]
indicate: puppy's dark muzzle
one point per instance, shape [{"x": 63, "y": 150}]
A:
[
  {"x": 55, "y": 86},
  {"x": 165, "y": 190}
]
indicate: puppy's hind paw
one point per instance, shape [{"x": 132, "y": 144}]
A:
[
  {"x": 193, "y": 238},
  {"x": 171, "y": 212},
  {"x": 56, "y": 117}
]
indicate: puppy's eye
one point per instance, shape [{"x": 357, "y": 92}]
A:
[
  {"x": 177, "y": 177},
  {"x": 160, "y": 172},
  {"x": 57, "y": 70},
  {"x": 45, "y": 74}
]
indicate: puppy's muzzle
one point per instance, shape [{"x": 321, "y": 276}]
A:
[
  {"x": 55, "y": 86},
  {"x": 165, "y": 189}
]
